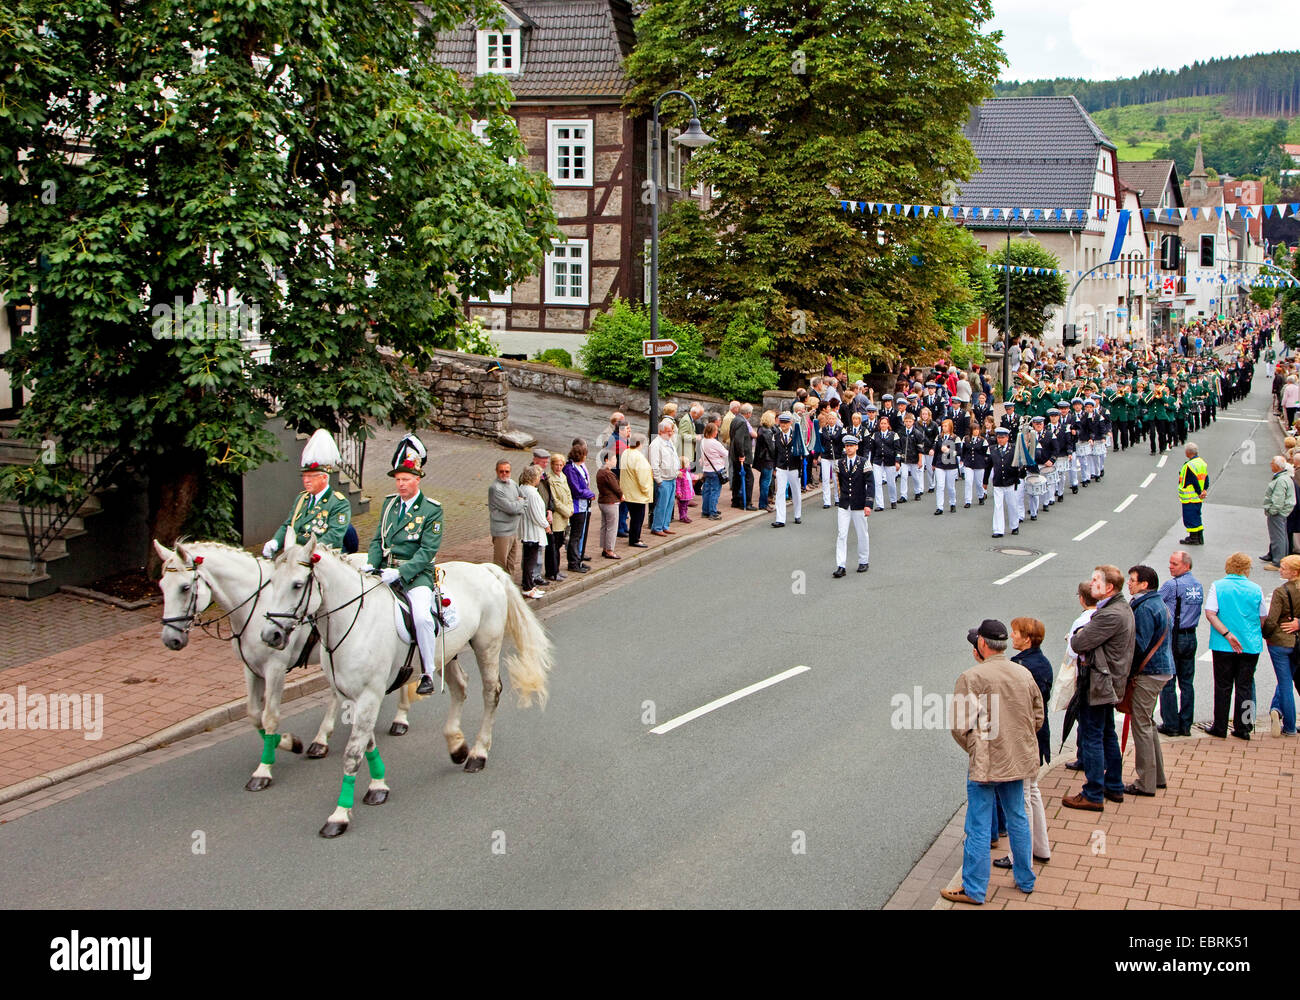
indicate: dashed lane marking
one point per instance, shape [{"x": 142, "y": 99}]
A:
[
  {"x": 1131, "y": 498},
  {"x": 1024, "y": 569},
  {"x": 1088, "y": 531},
  {"x": 681, "y": 720},
  {"x": 1148, "y": 481}
]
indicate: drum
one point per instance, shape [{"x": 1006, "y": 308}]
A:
[
  {"x": 1036, "y": 485},
  {"x": 1083, "y": 448}
]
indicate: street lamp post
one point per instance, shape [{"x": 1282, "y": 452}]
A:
[
  {"x": 692, "y": 138},
  {"x": 1006, "y": 329}
]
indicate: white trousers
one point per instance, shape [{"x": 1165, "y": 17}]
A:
[
  {"x": 421, "y": 599},
  {"x": 1076, "y": 468},
  {"x": 784, "y": 478},
  {"x": 1031, "y": 502},
  {"x": 1004, "y": 508},
  {"x": 927, "y": 462},
  {"x": 859, "y": 519},
  {"x": 885, "y": 474},
  {"x": 1020, "y": 501},
  {"x": 974, "y": 479},
  {"x": 1037, "y": 819},
  {"x": 913, "y": 474},
  {"x": 945, "y": 483},
  {"x": 830, "y": 486}
]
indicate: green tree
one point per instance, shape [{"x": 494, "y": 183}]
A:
[
  {"x": 1159, "y": 125},
  {"x": 1033, "y": 295},
  {"x": 307, "y": 156},
  {"x": 811, "y": 103}
]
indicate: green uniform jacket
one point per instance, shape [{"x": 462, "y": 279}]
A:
[
  {"x": 411, "y": 541},
  {"x": 328, "y": 521}
]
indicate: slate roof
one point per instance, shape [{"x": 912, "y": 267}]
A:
[
  {"x": 574, "y": 49},
  {"x": 1034, "y": 152},
  {"x": 1150, "y": 177}
]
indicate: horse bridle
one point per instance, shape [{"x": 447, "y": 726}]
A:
[
  {"x": 299, "y": 616},
  {"x": 192, "y": 613}
]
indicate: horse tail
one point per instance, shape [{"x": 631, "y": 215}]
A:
[{"x": 530, "y": 665}]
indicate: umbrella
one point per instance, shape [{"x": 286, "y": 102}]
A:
[
  {"x": 1071, "y": 714},
  {"x": 1123, "y": 739}
]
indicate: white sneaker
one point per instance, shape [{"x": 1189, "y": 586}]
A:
[
  {"x": 535, "y": 593},
  {"x": 1275, "y": 717}
]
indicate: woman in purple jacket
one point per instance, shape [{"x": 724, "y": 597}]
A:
[{"x": 575, "y": 471}]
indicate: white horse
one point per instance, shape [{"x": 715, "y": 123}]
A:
[
  {"x": 197, "y": 574},
  {"x": 355, "y": 618}
]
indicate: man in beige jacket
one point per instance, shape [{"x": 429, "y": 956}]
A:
[{"x": 996, "y": 714}]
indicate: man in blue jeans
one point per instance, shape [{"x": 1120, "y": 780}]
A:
[
  {"x": 996, "y": 713},
  {"x": 1106, "y": 647},
  {"x": 664, "y": 466},
  {"x": 1183, "y": 596}
]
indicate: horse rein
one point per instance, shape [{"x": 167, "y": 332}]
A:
[
  {"x": 299, "y": 616},
  {"x": 192, "y": 613}
]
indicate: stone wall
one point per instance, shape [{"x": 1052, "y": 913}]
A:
[
  {"x": 548, "y": 378},
  {"x": 472, "y": 395}
]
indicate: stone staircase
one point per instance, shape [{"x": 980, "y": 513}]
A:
[{"x": 74, "y": 551}]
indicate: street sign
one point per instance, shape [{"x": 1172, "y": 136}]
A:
[
  {"x": 658, "y": 348},
  {"x": 1121, "y": 312}
]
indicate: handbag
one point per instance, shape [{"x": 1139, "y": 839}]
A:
[
  {"x": 1125, "y": 704},
  {"x": 723, "y": 477},
  {"x": 1064, "y": 687}
]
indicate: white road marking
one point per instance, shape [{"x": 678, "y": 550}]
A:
[
  {"x": 1088, "y": 531},
  {"x": 1024, "y": 569},
  {"x": 1131, "y": 498},
  {"x": 1244, "y": 420},
  {"x": 681, "y": 720},
  {"x": 1148, "y": 481},
  {"x": 1163, "y": 459}
]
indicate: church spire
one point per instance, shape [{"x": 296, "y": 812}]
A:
[{"x": 1198, "y": 170}]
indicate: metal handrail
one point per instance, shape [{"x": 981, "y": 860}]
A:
[
  {"x": 43, "y": 523},
  {"x": 352, "y": 451}
]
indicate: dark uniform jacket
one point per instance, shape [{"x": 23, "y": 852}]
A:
[
  {"x": 885, "y": 448},
  {"x": 783, "y": 449},
  {"x": 949, "y": 459},
  {"x": 857, "y": 483},
  {"x": 1004, "y": 473},
  {"x": 975, "y": 452},
  {"x": 832, "y": 441}
]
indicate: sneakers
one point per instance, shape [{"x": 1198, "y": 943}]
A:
[
  {"x": 534, "y": 593},
  {"x": 1275, "y": 721}
]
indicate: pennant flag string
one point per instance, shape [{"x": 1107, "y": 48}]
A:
[{"x": 1016, "y": 213}]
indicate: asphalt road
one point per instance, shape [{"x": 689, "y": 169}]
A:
[{"x": 801, "y": 794}]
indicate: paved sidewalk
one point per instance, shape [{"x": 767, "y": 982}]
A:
[{"x": 1225, "y": 834}]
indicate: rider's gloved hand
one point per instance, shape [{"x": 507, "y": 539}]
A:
[
  {"x": 367, "y": 568},
  {"x": 390, "y": 575},
  {"x": 270, "y": 548}
]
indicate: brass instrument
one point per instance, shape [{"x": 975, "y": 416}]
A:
[{"x": 1026, "y": 378}]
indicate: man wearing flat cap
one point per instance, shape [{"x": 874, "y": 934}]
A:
[{"x": 997, "y": 712}]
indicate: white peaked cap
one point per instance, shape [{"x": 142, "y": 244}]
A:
[{"x": 321, "y": 454}]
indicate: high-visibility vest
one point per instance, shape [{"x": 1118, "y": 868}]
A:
[{"x": 1189, "y": 494}]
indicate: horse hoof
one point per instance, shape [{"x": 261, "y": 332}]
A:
[
  {"x": 376, "y": 797},
  {"x": 331, "y": 830},
  {"x": 398, "y": 729},
  {"x": 459, "y": 754},
  {"x": 475, "y": 764},
  {"x": 317, "y": 750},
  {"x": 256, "y": 784},
  {"x": 296, "y": 747}
]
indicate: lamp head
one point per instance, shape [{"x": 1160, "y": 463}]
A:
[{"x": 694, "y": 136}]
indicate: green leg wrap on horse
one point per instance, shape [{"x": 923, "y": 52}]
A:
[
  {"x": 269, "y": 742},
  {"x": 346, "y": 795},
  {"x": 376, "y": 764}
]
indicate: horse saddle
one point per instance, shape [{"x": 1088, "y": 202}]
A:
[{"x": 404, "y": 622}]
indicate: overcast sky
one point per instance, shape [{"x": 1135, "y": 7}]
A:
[{"x": 1101, "y": 39}]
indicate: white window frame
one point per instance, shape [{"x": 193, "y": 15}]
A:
[
  {"x": 566, "y": 255},
  {"x": 673, "y": 169},
  {"x": 587, "y": 145},
  {"x": 479, "y": 128},
  {"x": 508, "y": 39}
]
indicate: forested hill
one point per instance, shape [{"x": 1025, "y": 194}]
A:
[{"x": 1256, "y": 86}]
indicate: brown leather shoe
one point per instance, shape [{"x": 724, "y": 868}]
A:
[
  {"x": 1079, "y": 802},
  {"x": 1114, "y": 796},
  {"x": 958, "y": 896}
]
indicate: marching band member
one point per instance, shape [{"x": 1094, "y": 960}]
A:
[
  {"x": 946, "y": 456},
  {"x": 975, "y": 460},
  {"x": 1005, "y": 476},
  {"x": 914, "y": 444},
  {"x": 857, "y": 490},
  {"x": 886, "y": 448},
  {"x": 789, "y": 464},
  {"x": 832, "y": 433}
]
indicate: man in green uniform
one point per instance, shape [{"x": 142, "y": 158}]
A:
[
  {"x": 405, "y": 545},
  {"x": 318, "y": 510}
]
